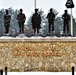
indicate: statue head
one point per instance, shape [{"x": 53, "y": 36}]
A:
[
  {"x": 51, "y": 10},
  {"x": 65, "y": 11},
  {"x": 36, "y": 10},
  {"x": 6, "y": 11},
  {"x": 21, "y": 10}
]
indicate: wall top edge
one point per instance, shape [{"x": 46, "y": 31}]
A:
[{"x": 43, "y": 39}]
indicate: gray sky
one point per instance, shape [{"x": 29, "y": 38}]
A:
[{"x": 28, "y": 5}]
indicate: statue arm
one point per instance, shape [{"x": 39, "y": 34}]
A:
[
  {"x": 24, "y": 17},
  {"x": 17, "y": 17},
  {"x": 62, "y": 16},
  {"x": 4, "y": 17},
  {"x": 32, "y": 18},
  {"x": 47, "y": 16},
  {"x": 69, "y": 17},
  {"x": 9, "y": 17}
]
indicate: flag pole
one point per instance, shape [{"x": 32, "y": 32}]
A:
[
  {"x": 71, "y": 23},
  {"x": 34, "y": 9},
  {"x": 34, "y": 4}
]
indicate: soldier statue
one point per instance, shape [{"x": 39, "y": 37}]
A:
[
  {"x": 36, "y": 21},
  {"x": 7, "y": 19},
  {"x": 66, "y": 19},
  {"x": 21, "y": 20},
  {"x": 51, "y": 18}
]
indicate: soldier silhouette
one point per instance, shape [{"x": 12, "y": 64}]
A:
[
  {"x": 1, "y": 72},
  {"x": 7, "y": 19},
  {"x": 66, "y": 19},
  {"x": 21, "y": 20},
  {"x": 5, "y": 70},
  {"x": 51, "y": 18},
  {"x": 36, "y": 21}
]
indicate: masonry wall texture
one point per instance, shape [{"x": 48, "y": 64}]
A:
[{"x": 38, "y": 56}]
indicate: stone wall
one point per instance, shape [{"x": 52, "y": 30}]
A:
[{"x": 53, "y": 56}]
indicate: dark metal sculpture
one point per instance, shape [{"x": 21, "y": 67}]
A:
[
  {"x": 7, "y": 19},
  {"x": 36, "y": 21},
  {"x": 21, "y": 20},
  {"x": 51, "y": 18},
  {"x": 66, "y": 19}
]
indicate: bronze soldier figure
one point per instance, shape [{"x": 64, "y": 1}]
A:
[
  {"x": 51, "y": 18},
  {"x": 36, "y": 21},
  {"x": 7, "y": 19},
  {"x": 66, "y": 19},
  {"x": 21, "y": 20}
]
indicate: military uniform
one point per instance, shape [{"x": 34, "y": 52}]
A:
[
  {"x": 21, "y": 20},
  {"x": 66, "y": 19},
  {"x": 7, "y": 19},
  {"x": 51, "y": 18},
  {"x": 36, "y": 21}
]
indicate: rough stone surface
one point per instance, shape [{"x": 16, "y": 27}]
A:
[{"x": 38, "y": 56}]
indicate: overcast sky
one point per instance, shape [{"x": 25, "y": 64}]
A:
[{"x": 28, "y": 5}]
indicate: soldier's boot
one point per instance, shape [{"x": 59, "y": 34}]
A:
[
  {"x": 37, "y": 30},
  {"x": 34, "y": 30},
  {"x": 68, "y": 29},
  {"x": 53, "y": 29},
  {"x": 20, "y": 30},
  {"x": 49, "y": 29},
  {"x": 5, "y": 29},
  {"x": 8, "y": 30},
  {"x": 63, "y": 30}
]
